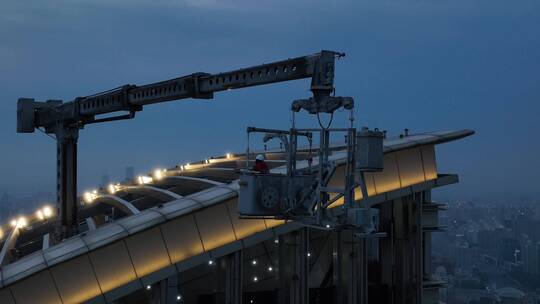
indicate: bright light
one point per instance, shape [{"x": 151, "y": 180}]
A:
[
  {"x": 178, "y": 297},
  {"x": 144, "y": 179},
  {"x": 270, "y": 268},
  {"x": 229, "y": 155},
  {"x": 148, "y": 287},
  {"x": 39, "y": 215},
  {"x": 309, "y": 254},
  {"x": 210, "y": 262},
  {"x": 254, "y": 262},
  {"x": 89, "y": 197},
  {"x": 255, "y": 279},
  {"x": 111, "y": 188},
  {"x": 327, "y": 226},
  {"x": 21, "y": 222},
  {"x": 276, "y": 241},
  {"x": 159, "y": 173},
  {"x": 47, "y": 211}
]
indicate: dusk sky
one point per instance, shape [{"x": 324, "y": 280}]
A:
[{"x": 422, "y": 65}]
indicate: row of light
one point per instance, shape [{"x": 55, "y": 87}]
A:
[
  {"x": 112, "y": 188},
  {"x": 158, "y": 174},
  {"x": 188, "y": 166},
  {"x": 43, "y": 213},
  {"x": 143, "y": 179},
  {"x": 89, "y": 196}
]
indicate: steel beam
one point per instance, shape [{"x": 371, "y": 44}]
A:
[
  {"x": 161, "y": 194},
  {"x": 118, "y": 203},
  {"x": 182, "y": 180},
  {"x": 9, "y": 243},
  {"x": 90, "y": 223},
  {"x": 66, "y": 187},
  {"x": 46, "y": 241}
]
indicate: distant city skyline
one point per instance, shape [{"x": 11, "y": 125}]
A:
[
  {"x": 488, "y": 250},
  {"x": 411, "y": 64}
]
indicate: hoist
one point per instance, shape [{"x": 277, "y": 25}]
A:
[{"x": 65, "y": 119}]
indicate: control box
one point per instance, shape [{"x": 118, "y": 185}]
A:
[{"x": 369, "y": 151}]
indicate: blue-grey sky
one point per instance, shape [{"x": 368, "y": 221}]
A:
[{"x": 424, "y": 65}]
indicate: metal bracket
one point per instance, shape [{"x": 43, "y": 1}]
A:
[{"x": 322, "y": 104}]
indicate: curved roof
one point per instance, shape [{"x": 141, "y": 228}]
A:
[{"x": 211, "y": 210}]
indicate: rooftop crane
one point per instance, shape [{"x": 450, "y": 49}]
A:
[{"x": 65, "y": 119}]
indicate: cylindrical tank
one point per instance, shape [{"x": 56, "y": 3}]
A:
[{"x": 369, "y": 150}]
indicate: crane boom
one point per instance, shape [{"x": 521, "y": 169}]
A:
[
  {"x": 131, "y": 98},
  {"x": 66, "y": 119}
]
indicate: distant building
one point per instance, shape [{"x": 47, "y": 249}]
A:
[
  {"x": 463, "y": 254},
  {"x": 531, "y": 258},
  {"x": 487, "y": 240},
  {"x": 507, "y": 248}
]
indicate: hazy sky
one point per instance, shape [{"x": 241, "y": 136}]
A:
[{"x": 424, "y": 65}]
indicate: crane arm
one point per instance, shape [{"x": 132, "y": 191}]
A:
[
  {"x": 65, "y": 119},
  {"x": 83, "y": 110}
]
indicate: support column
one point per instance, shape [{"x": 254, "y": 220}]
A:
[
  {"x": 165, "y": 291},
  {"x": 418, "y": 248},
  {"x": 294, "y": 267},
  {"x": 337, "y": 260},
  {"x": 170, "y": 288},
  {"x": 353, "y": 268},
  {"x": 361, "y": 247},
  {"x": 408, "y": 249},
  {"x": 301, "y": 287},
  {"x": 387, "y": 258},
  {"x": 426, "y": 241},
  {"x": 233, "y": 278},
  {"x": 66, "y": 176},
  {"x": 357, "y": 283}
]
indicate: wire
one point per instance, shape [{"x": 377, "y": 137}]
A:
[
  {"x": 104, "y": 92},
  {"x": 310, "y": 154},
  {"x": 247, "y": 152},
  {"x": 331, "y": 115},
  {"x": 42, "y": 131},
  {"x": 329, "y": 123}
]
